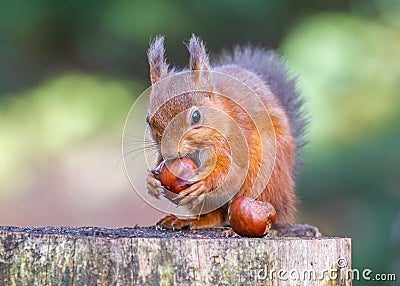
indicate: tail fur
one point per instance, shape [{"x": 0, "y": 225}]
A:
[{"x": 275, "y": 73}]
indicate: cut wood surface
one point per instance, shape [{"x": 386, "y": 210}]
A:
[{"x": 294, "y": 255}]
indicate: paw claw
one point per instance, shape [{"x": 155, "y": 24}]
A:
[
  {"x": 174, "y": 223},
  {"x": 192, "y": 193},
  {"x": 229, "y": 233},
  {"x": 185, "y": 200},
  {"x": 178, "y": 197},
  {"x": 154, "y": 186},
  {"x": 197, "y": 201}
]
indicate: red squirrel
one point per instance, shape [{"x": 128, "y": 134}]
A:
[{"x": 267, "y": 75}]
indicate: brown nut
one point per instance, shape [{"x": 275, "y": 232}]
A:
[
  {"x": 251, "y": 218},
  {"x": 175, "y": 174}
]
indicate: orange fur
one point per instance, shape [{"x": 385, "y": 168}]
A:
[{"x": 280, "y": 188}]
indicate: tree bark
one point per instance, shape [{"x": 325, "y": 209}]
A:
[{"x": 149, "y": 256}]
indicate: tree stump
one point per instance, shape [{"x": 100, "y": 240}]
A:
[{"x": 294, "y": 255}]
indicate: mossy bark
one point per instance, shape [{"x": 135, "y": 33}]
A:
[{"x": 146, "y": 256}]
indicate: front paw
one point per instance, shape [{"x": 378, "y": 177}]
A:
[
  {"x": 154, "y": 186},
  {"x": 193, "y": 195}
]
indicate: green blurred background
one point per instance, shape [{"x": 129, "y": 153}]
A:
[{"x": 70, "y": 71}]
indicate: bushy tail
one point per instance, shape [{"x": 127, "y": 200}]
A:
[{"x": 275, "y": 73}]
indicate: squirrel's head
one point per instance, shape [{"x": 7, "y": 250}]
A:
[{"x": 181, "y": 108}]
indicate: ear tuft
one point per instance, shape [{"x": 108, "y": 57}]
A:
[
  {"x": 198, "y": 54},
  {"x": 158, "y": 64}
]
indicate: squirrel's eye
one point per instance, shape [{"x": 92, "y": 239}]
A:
[
  {"x": 196, "y": 117},
  {"x": 147, "y": 119}
]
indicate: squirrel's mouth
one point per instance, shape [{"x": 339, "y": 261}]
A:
[
  {"x": 204, "y": 158},
  {"x": 195, "y": 157}
]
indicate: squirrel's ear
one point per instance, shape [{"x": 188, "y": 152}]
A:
[
  {"x": 198, "y": 54},
  {"x": 157, "y": 62}
]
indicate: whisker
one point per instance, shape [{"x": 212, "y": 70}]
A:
[
  {"x": 138, "y": 138},
  {"x": 144, "y": 148},
  {"x": 131, "y": 159},
  {"x": 130, "y": 144},
  {"x": 134, "y": 156}
]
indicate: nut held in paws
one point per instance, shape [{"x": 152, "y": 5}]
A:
[
  {"x": 175, "y": 174},
  {"x": 251, "y": 218}
]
